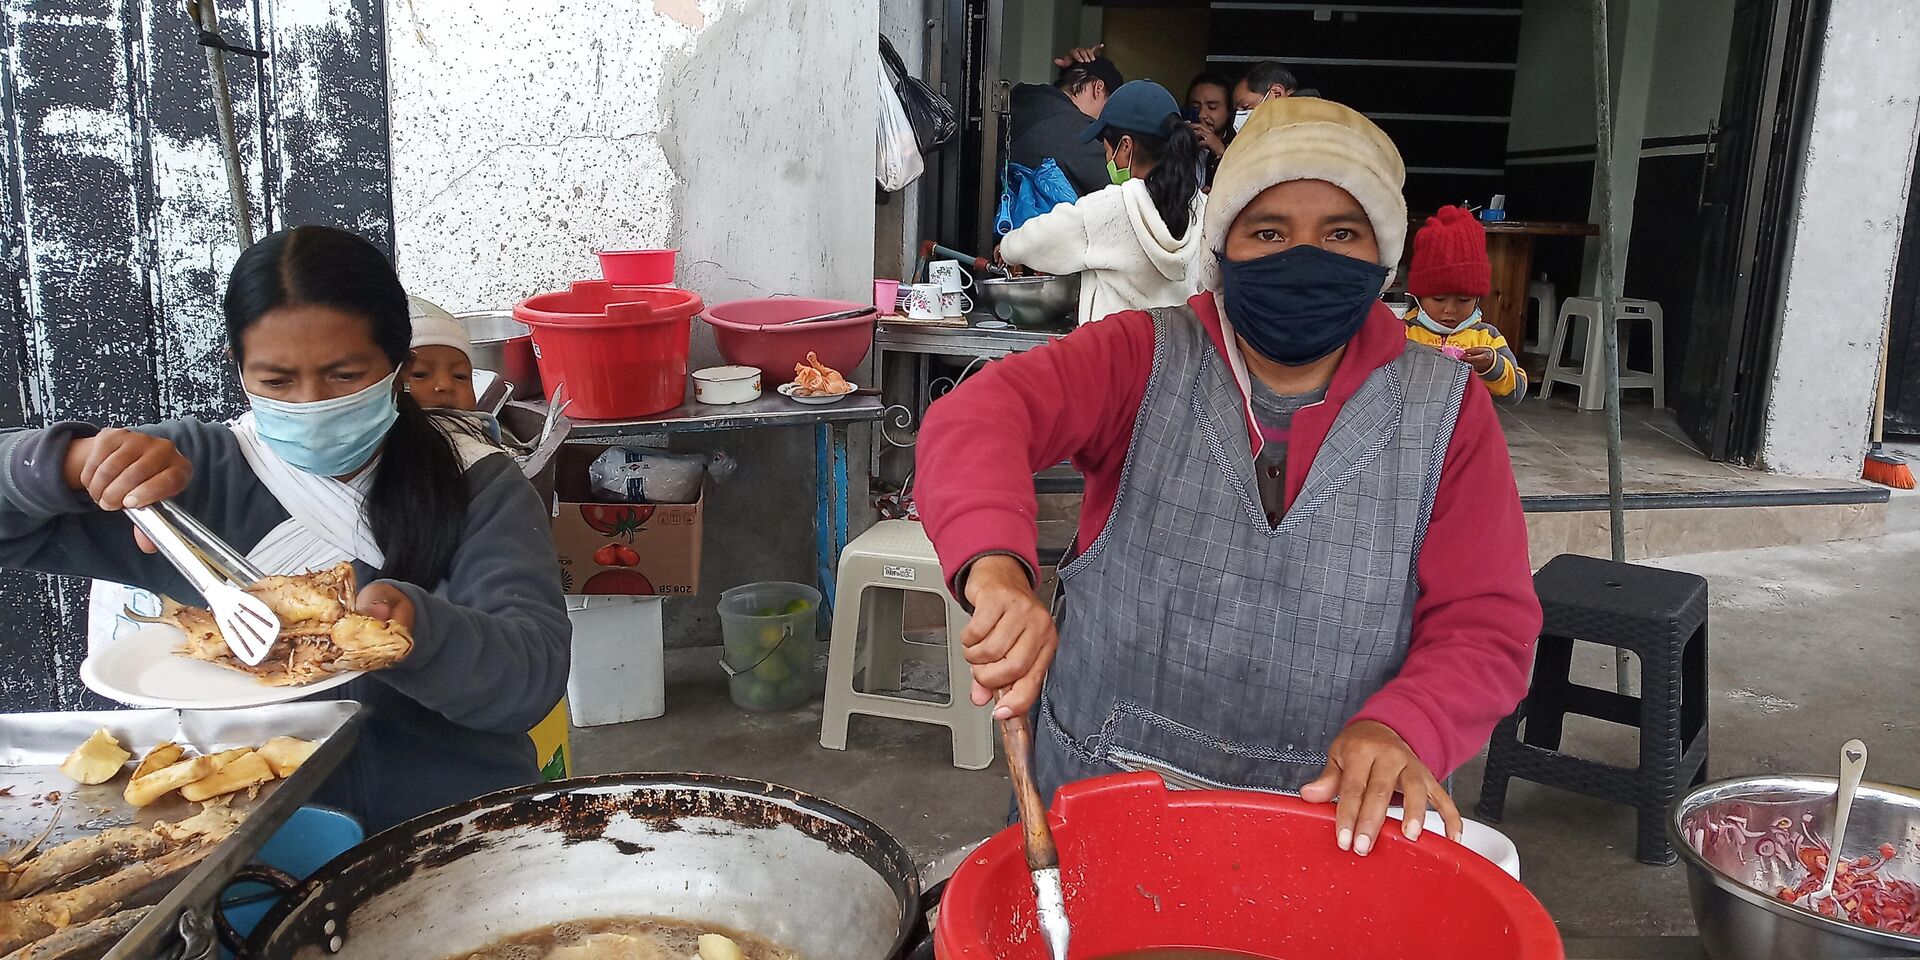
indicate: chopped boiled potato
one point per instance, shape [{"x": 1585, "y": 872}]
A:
[
  {"x": 97, "y": 760},
  {"x": 716, "y": 947},
  {"x": 250, "y": 769},
  {"x": 286, "y": 754},
  {"x": 159, "y": 758}
]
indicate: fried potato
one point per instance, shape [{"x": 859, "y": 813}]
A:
[
  {"x": 250, "y": 769},
  {"x": 160, "y": 757},
  {"x": 142, "y": 791},
  {"x": 96, "y": 761},
  {"x": 286, "y": 754}
]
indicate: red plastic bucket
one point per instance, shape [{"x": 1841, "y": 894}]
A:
[
  {"x": 753, "y": 333},
  {"x": 638, "y": 268},
  {"x": 1146, "y": 869},
  {"x": 621, "y": 351}
]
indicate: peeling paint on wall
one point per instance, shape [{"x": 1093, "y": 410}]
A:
[
  {"x": 525, "y": 139},
  {"x": 1846, "y": 236}
]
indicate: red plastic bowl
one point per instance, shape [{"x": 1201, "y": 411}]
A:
[
  {"x": 1257, "y": 873},
  {"x": 621, "y": 351},
  {"x": 753, "y": 333},
  {"x": 638, "y": 268}
]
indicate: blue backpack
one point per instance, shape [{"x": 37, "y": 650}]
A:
[{"x": 1026, "y": 193}]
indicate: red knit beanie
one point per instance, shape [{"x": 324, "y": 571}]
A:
[{"x": 1450, "y": 257}]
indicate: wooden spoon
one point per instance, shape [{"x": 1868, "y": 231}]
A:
[{"x": 1043, "y": 858}]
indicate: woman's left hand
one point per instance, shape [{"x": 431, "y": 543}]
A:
[
  {"x": 1366, "y": 765},
  {"x": 384, "y": 601}
]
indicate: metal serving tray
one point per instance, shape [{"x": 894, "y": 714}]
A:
[{"x": 33, "y": 744}]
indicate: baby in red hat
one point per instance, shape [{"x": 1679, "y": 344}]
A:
[{"x": 1447, "y": 278}]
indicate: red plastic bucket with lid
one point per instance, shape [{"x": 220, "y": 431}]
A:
[
  {"x": 1146, "y": 868},
  {"x": 621, "y": 351}
]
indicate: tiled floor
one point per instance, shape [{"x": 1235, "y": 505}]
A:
[{"x": 1560, "y": 450}]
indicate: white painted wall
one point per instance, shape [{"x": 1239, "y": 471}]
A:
[
  {"x": 1553, "y": 82},
  {"x": 1846, "y": 235},
  {"x": 528, "y": 135}
]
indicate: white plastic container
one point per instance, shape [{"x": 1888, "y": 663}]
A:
[
  {"x": 619, "y": 660},
  {"x": 731, "y": 384},
  {"x": 1475, "y": 836}
]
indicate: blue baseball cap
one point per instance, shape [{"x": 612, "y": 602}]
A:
[{"x": 1139, "y": 106}]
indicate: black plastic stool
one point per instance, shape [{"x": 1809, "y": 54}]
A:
[{"x": 1659, "y": 615}]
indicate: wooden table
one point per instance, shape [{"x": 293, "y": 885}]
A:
[{"x": 1510, "y": 254}]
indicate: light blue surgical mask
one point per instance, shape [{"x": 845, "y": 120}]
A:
[
  {"x": 1426, "y": 320},
  {"x": 327, "y": 438}
]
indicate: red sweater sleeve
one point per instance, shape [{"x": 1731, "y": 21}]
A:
[
  {"x": 1477, "y": 616},
  {"x": 1076, "y": 398}
]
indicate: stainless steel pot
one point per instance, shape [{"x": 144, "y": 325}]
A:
[
  {"x": 1732, "y": 885},
  {"x": 505, "y": 346},
  {"x": 802, "y": 872},
  {"x": 1031, "y": 301}
]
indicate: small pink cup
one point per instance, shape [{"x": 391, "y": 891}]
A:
[{"x": 886, "y": 296}]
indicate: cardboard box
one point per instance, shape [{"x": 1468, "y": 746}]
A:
[{"x": 651, "y": 549}]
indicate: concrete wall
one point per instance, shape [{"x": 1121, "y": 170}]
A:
[
  {"x": 1846, "y": 233},
  {"x": 1167, "y": 45},
  {"x": 1553, "y": 84},
  {"x": 740, "y": 131}
]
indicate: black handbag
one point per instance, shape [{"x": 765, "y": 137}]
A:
[{"x": 933, "y": 118}]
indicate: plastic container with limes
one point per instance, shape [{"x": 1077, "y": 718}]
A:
[{"x": 768, "y": 630}]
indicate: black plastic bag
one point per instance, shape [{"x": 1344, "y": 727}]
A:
[{"x": 933, "y": 118}]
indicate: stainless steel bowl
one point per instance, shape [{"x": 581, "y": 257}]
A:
[
  {"x": 1733, "y": 884},
  {"x": 1031, "y": 301},
  {"x": 505, "y": 346}
]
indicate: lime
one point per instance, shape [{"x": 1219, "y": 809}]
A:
[{"x": 796, "y": 605}]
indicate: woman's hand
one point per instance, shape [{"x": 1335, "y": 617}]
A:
[
  {"x": 384, "y": 601},
  {"x": 1366, "y": 765},
  {"x": 125, "y": 468},
  {"x": 1480, "y": 358},
  {"x": 1010, "y": 640}
]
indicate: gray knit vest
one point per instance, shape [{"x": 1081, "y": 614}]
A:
[{"x": 1199, "y": 640}]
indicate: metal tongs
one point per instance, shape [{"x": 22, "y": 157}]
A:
[{"x": 219, "y": 572}]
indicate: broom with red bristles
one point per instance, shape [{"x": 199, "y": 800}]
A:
[{"x": 1885, "y": 467}]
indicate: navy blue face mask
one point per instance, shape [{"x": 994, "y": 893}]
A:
[{"x": 1300, "y": 304}]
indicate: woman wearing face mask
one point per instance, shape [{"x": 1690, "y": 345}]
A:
[
  {"x": 1135, "y": 244},
  {"x": 334, "y": 461},
  {"x": 1301, "y": 563},
  {"x": 1447, "y": 278}
]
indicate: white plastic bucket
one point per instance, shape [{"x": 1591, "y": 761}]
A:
[{"x": 619, "y": 660}]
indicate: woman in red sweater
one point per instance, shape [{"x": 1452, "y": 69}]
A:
[{"x": 1301, "y": 563}]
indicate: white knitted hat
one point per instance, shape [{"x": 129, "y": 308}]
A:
[
  {"x": 434, "y": 327},
  {"x": 1307, "y": 138}
]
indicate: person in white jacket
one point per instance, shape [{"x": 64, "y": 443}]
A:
[{"x": 1136, "y": 244}]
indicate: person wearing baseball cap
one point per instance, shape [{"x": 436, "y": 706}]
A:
[
  {"x": 1301, "y": 564},
  {"x": 1135, "y": 244},
  {"x": 1447, "y": 278},
  {"x": 442, "y": 371}
]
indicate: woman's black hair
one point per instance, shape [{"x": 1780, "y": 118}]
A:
[
  {"x": 1174, "y": 153},
  {"x": 418, "y": 503}
]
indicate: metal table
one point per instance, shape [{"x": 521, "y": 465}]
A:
[
  {"x": 916, "y": 344},
  {"x": 830, "y": 424}
]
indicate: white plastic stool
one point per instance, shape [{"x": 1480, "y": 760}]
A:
[
  {"x": 877, "y": 570},
  {"x": 1545, "y": 300},
  {"x": 1590, "y": 374}
]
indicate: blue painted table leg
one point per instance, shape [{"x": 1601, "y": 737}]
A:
[{"x": 824, "y": 553}]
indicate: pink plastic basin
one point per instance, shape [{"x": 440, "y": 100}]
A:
[{"x": 753, "y": 333}]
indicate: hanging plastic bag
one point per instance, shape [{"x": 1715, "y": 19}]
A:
[
  {"x": 897, "y": 156},
  {"x": 1026, "y": 193},
  {"x": 933, "y": 118}
]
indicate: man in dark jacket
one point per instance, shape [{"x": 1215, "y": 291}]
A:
[{"x": 1048, "y": 120}]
